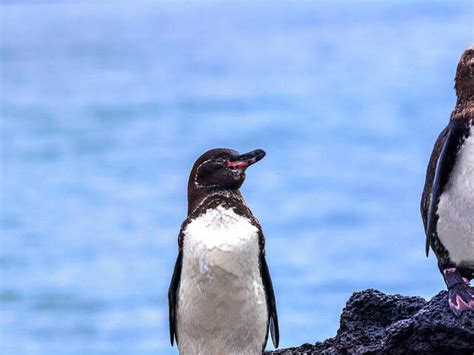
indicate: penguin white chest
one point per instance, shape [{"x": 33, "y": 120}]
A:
[
  {"x": 456, "y": 207},
  {"x": 221, "y": 300}
]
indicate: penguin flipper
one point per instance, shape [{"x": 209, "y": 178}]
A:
[
  {"x": 173, "y": 297},
  {"x": 271, "y": 303},
  {"x": 430, "y": 175},
  {"x": 439, "y": 169}
]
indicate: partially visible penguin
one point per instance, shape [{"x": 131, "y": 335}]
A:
[
  {"x": 447, "y": 204},
  {"x": 221, "y": 298}
]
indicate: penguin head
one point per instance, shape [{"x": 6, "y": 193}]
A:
[
  {"x": 221, "y": 169},
  {"x": 464, "y": 81}
]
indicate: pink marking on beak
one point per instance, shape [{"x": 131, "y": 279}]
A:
[{"x": 238, "y": 164}]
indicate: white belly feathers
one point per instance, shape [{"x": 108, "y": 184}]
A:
[
  {"x": 221, "y": 301},
  {"x": 456, "y": 208}
]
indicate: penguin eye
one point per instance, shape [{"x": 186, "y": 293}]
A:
[{"x": 220, "y": 163}]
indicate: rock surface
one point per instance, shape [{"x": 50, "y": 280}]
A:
[{"x": 375, "y": 323}]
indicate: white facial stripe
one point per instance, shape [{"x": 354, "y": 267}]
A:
[
  {"x": 195, "y": 179},
  {"x": 196, "y": 183}
]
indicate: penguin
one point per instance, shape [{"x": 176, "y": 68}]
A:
[
  {"x": 447, "y": 203},
  {"x": 221, "y": 298}
]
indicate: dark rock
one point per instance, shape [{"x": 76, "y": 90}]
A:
[{"x": 374, "y": 323}]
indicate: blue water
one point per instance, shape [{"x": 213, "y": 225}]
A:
[{"x": 105, "y": 106}]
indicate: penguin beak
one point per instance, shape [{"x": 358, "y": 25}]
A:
[{"x": 243, "y": 161}]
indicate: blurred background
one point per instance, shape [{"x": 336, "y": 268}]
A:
[{"x": 106, "y": 105}]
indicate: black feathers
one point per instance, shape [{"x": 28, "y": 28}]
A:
[
  {"x": 173, "y": 297},
  {"x": 271, "y": 304}
]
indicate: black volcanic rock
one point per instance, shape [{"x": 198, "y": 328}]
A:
[{"x": 375, "y": 323}]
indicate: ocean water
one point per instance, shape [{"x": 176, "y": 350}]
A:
[{"x": 106, "y": 105}]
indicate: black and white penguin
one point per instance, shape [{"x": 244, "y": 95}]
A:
[
  {"x": 447, "y": 204},
  {"x": 221, "y": 298}
]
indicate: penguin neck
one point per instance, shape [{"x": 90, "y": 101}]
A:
[
  {"x": 464, "y": 106},
  {"x": 206, "y": 196}
]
